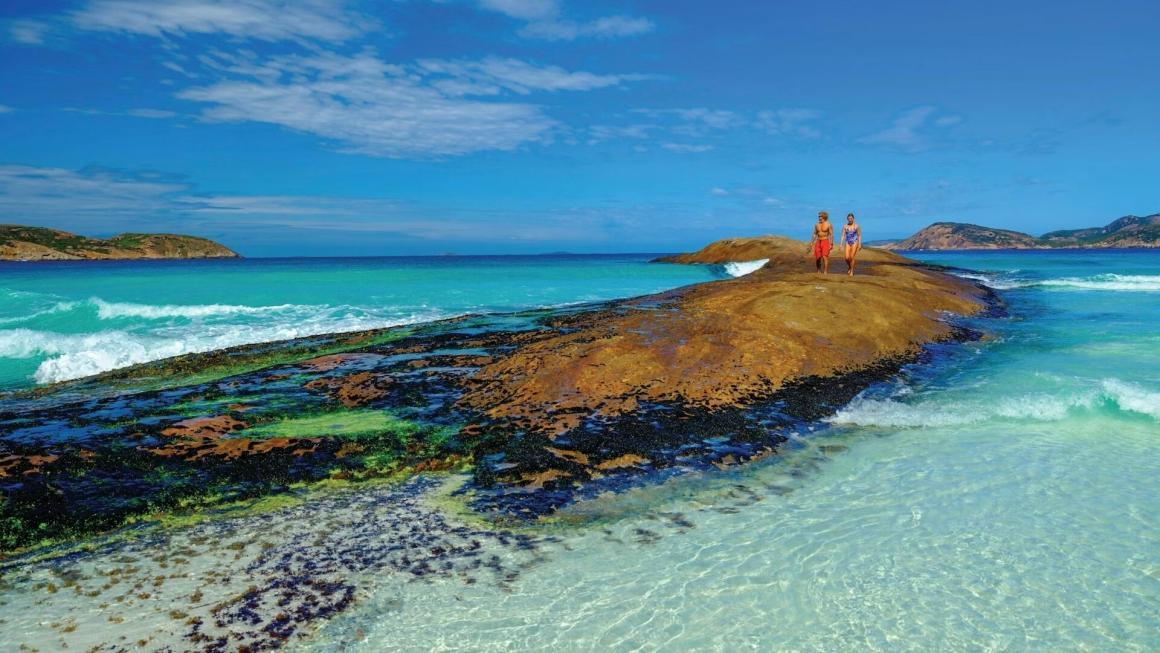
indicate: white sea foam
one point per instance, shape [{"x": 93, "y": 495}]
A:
[
  {"x": 112, "y": 310},
  {"x": 998, "y": 281},
  {"x": 1104, "y": 282},
  {"x": 71, "y": 356},
  {"x": 742, "y": 268},
  {"x": 1133, "y": 398},
  {"x": 1113, "y": 282},
  {"x": 1109, "y": 393}
]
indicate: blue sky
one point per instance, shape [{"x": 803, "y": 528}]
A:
[{"x": 335, "y": 127}]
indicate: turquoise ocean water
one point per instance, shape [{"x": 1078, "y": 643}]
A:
[
  {"x": 65, "y": 320},
  {"x": 1000, "y": 497}
]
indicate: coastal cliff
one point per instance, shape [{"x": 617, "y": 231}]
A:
[
  {"x": 1128, "y": 231},
  {"x": 543, "y": 408},
  {"x": 21, "y": 243}
]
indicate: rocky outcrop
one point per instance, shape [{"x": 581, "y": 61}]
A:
[
  {"x": 20, "y": 243},
  {"x": 1129, "y": 231},
  {"x": 956, "y": 235},
  {"x": 726, "y": 343},
  {"x": 782, "y": 253}
]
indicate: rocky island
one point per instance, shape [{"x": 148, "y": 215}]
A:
[
  {"x": 21, "y": 243},
  {"x": 1128, "y": 231}
]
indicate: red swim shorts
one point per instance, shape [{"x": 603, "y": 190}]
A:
[{"x": 821, "y": 248}]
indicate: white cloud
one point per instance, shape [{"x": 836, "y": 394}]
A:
[
  {"x": 545, "y": 20},
  {"x": 5, "y": 109},
  {"x": 601, "y": 133},
  {"x": 790, "y": 122},
  {"x": 607, "y": 27},
  {"x": 718, "y": 192},
  {"x": 493, "y": 75},
  {"x": 686, "y": 148},
  {"x": 28, "y": 191},
  {"x": 696, "y": 119},
  {"x": 675, "y": 125},
  {"x": 523, "y": 9},
  {"x": 97, "y": 200},
  {"x": 914, "y": 130},
  {"x": 268, "y": 20},
  {"x": 151, "y": 113},
  {"x": 27, "y": 32},
  {"x": 371, "y": 107}
]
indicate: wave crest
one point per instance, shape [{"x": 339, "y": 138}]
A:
[
  {"x": 1120, "y": 282},
  {"x": 1099, "y": 282},
  {"x": 72, "y": 356},
  {"x": 742, "y": 268},
  {"x": 113, "y": 310},
  {"x": 1110, "y": 393}
]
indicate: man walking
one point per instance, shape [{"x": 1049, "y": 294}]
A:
[{"x": 822, "y": 242}]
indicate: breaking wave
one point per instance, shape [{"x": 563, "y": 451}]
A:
[
  {"x": 1109, "y": 394},
  {"x": 71, "y": 356},
  {"x": 742, "y": 268},
  {"x": 106, "y": 310},
  {"x": 1120, "y": 282},
  {"x": 112, "y": 310},
  {"x": 1099, "y": 282}
]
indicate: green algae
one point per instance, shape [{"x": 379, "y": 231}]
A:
[
  {"x": 343, "y": 424},
  {"x": 196, "y": 404},
  {"x": 382, "y": 446}
]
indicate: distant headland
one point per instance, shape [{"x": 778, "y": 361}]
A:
[
  {"x": 1128, "y": 231},
  {"x": 21, "y": 243}
]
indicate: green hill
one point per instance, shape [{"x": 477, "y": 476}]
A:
[{"x": 21, "y": 243}]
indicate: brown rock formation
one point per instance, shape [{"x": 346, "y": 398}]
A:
[
  {"x": 209, "y": 437},
  {"x": 727, "y": 343},
  {"x": 353, "y": 390}
]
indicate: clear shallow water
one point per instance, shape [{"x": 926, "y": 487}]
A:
[
  {"x": 1004, "y": 498},
  {"x": 70, "y": 319}
]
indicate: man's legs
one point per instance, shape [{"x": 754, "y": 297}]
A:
[{"x": 826, "y": 264}]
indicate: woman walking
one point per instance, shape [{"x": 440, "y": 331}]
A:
[{"x": 851, "y": 242}]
